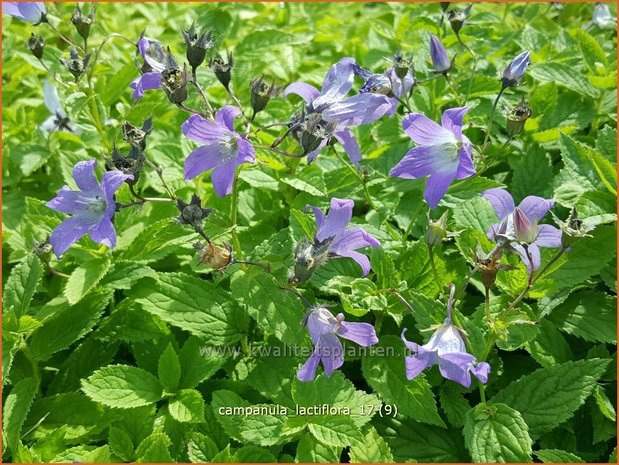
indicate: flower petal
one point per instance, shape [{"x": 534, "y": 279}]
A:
[
  {"x": 452, "y": 120},
  {"x": 437, "y": 186},
  {"x": 337, "y": 83},
  {"x": 202, "y": 159},
  {"x": 84, "y": 175},
  {"x": 110, "y": 183},
  {"x": 222, "y": 178},
  {"x": 535, "y": 207},
  {"x": 68, "y": 233},
  {"x": 202, "y": 130},
  {"x": 362, "y": 260},
  {"x": 455, "y": 366},
  {"x": 357, "y": 110},
  {"x": 481, "y": 371},
  {"x": 465, "y": 168},
  {"x": 337, "y": 219},
  {"x": 247, "y": 154},
  {"x": 501, "y": 201},
  {"x": 104, "y": 233},
  {"x": 331, "y": 353},
  {"x": 314, "y": 153},
  {"x": 69, "y": 201},
  {"x": 424, "y": 131},
  {"x": 548, "y": 236},
  {"x": 148, "y": 81},
  {"x": 51, "y": 99},
  {"x": 307, "y": 92},
  {"x": 318, "y": 214},
  {"x": 419, "y": 360},
  {"x": 225, "y": 117},
  {"x": 423, "y": 161},
  {"x": 350, "y": 144},
  {"x": 535, "y": 255},
  {"x": 352, "y": 239},
  {"x": 308, "y": 371},
  {"x": 363, "y": 334}
]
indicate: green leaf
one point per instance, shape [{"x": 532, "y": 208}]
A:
[
  {"x": 16, "y": 407},
  {"x": 562, "y": 75},
  {"x": 169, "y": 369},
  {"x": 85, "y": 277},
  {"x": 192, "y": 304},
  {"x": 122, "y": 386},
  {"x": 309, "y": 450},
  {"x": 604, "y": 403},
  {"x": 335, "y": 430},
  {"x": 21, "y": 285},
  {"x": 549, "y": 396},
  {"x": 254, "y": 454},
  {"x": 373, "y": 450},
  {"x": 196, "y": 365},
  {"x": 258, "y": 179},
  {"x": 454, "y": 404},
  {"x": 156, "y": 241},
  {"x": 187, "y": 406},
  {"x": 124, "y": 274},
  {"x": 386, "y": 375},
  {"x": 497, "y": 433},
  {"x": 590, "y": 315},
  {"x": 591, "y": 50},
  {"x": 120, "y": 443},
  {"x": 549, "y": 347},
  {"x": 200, "y": 448},
  {"x": 154, "y": 449},
  {"x": 309, "y": 179},
  {"x": 475, "y": 213},
  {"x": 255, "y": 43},
  {"x": 557, "y": 456}
]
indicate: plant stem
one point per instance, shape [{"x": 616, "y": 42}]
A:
[
  {"x": 487, "y": 297},
  {"x": 432, "y": 264},
  {"x": 63, "y": 37},
  {"x": 379, "y": 320},
  {"x": 198, "y": 87},
  {"x": 234, "y": 214},
  {"x": 366, "y": 191},
  {"x": 159, "y": 172},
  {"x": 529, "y": 282},
  {"x": 453, "y": 89},
  {"x": 551, "y": 262},
  {"x": 245, "y": 346},
  {"x": 96, "y": 117},
  {"x": 278, "y": 151},
  {"x": 496, "y": 101}
]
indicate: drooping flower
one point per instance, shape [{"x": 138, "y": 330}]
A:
[
  {"x": 324, "y": 330},
  {"x": 519, "y": 225},
  {"x": 438, "y": 54},
  {"x": 33, "y": 12},
  {"x": 333, "y": 108},
  {"x": 154, "y": 64},
  {"x": 516, "y": 69},
  {"x": 58, "y": 121},
  {"x": 92, "y": 207},
  {"x": 446, "y": 348},
  {"x": 223, "y": 149},
  {"x": 443, "y": 153},
  {"x": 340, "y": 241}
]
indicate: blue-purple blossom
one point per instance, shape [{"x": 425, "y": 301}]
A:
[
  {"x": 58, "y": 120},
  {"x": 154, "y": 58},
  {"x": 324, "y": 330},
  {"x": 33, "y": 12},
  {"x": 92, "y": 207},
  {"x": 446, "y": 348},
  {"x": 443, "y": 153},
  {"x": 440, "y": 60},
  {"x": 516, "y": 69},
  {"x": 519, "y": 225},
  {"x": 388, "y": 84},
  {"x": 343, "y": 241},
  {"x": 223, "y": 149},
  {"x": 331, "y": 104}
]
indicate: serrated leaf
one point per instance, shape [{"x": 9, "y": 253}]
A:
[
  {"x": 310, "y": 179},
  {"x": 200, "y": 448},
  {"x": 84, "y": 278},
  {"x": 21, "y": 285},
  {"x": 549, "y": 396},
  {"x": 122, "y": 386},
  {"x": 591, "y": 50},
  {"x": 16, "y": 407},
  {"x": 196, "y": 364},
  {"x": 259, "y": 179},
  {"x": 454, "y": 404},
  {"x": 169, "y": 369},
  {"x": 557, "y": 456},
  {"x": 373, "y": 450},
  {"x": 563, "y": 75},
  {"x": 475, "y": 213},
  {"x": 497, "y": 433},
  {"x": 187, "y": 406},
  {"x": 154, "y": 449},
  {"x": 335, "y": 430},
  {"x": 309, "y": 450},
  {"x": 120, "y": 443}
]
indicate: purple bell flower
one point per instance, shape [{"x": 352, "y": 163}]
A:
[
  {"x": 324, "y": 330},
  {"x": 447, "y": 349},
  {"x": 92, "y": 207},
  {"x": 443, "y": 153},
  {"x": 519, "y": 225},
  {"x": 516, "y": 69},
  {"x": 33, "y": 12},
  {"x": 440, "y": 60},
  {"x": 330, "y": 102},
  {"x": 343, "y": 241},
  {"x": 223, "y": 149},
  {"x": 154, "y": 57}
]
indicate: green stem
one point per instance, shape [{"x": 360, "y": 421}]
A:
[
  {"x": 245, "y": 346},
  {"x": 96, "y": 117},
  {"x": 412, "y": 224},
  {"x": 366, "y": 191},
  {"x": 234, "y": 208},
  {"x": 433, "y": 265},
  {"x": 379, "y": 320},
  {"x": 468, "y": 49},
  {"x": 63, "y": 37},
  {"x": 482, "y": 391},
  {"x": 552, "y": 261},
  {"x": 496, "y": 101},
  {"x": 453, "y": 89},
  {"x": 487, "y": 297}
]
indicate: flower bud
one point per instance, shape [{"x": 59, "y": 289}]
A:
[
  {"x": 223, "y": 71},
  {"x": 312, "y": 131},
  {"x": 75, "y": 64},
  {"x": 437, "y": 231},
  {"x": 307, "y": 258},
  {"x": 136, "y": 137},
  {"x": 261, "y": 93},
  {"x": 440, "y": 60},
  {"x": 43, "y": 250},
  {"x": 128, "y": 164},
  {"x": 197, "y": 45},
  {"x": 524, "y": 230},
  {"x": 517, "y": 117},
  {"x": 192, "y": 213},
  {"x": 402, "y": 65},
  {"x": 213, "y": 256},
  {"x": 174, "y": 80},
  {"x": 456, "y": 19},
  {"x": 516, "y": 69},
  {"x": 83, "y": 22},
  {"x": 36, "y": 45}
]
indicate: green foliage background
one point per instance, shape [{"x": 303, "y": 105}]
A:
[{"x": 106, "y": 365}]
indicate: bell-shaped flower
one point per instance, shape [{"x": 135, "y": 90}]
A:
[
  {"x": 32, "y": 12},
  {"x": 342, "y": 241},
  {"x": 516, "y": 69},
  {"x": 443, "y": 153},
  {"x": 324, "y": 329},
  {"x": 58, "y": 120},
  {"x": 519, "y": 225},
  {"x": 92, "y": 207},
  {"x": 223, "y": 148},
  {"x": 155, "y": 63},
  {"x": 438, "y": 54},
  {"x": 446, "y": 348}
]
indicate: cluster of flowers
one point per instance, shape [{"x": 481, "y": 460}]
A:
[{"x": 442, "y": 153}]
